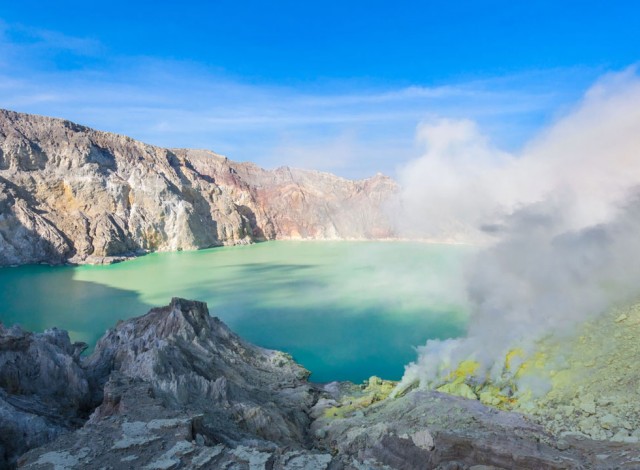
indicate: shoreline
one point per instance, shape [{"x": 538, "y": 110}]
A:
[{"x": 116, "y": 259}]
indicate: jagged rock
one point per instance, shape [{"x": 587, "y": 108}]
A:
[
  {"x": 70, "y": 193},
  {"x": 25, "y": 235},
  {"x": 596, "y": 377},
  {"x": 427, "y": 429},
  {"x": 44, "y": 391},
  {"x": 194, "y": 362},
  {"x": 175, "y": 378},
  {"x": 177, "y": 389}
]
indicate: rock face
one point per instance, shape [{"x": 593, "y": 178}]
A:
[
  {"x": 194, "y": 362},
  {"x": 44, "y": 391},
  {"x": 175, "y": 373},
  {"x": 177, "y": 389},
  {"x": 590, "y": 393},
  {"x": 73, "y": 193}
]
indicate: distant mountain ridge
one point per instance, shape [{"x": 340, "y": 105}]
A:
[{"x": 74, "y": 194}]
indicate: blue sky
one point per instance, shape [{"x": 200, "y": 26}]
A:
[{"x": 337, "y": 86}]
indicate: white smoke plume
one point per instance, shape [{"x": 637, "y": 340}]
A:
[{"x": 561, "y": 221}]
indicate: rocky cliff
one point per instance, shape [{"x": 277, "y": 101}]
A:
[
  {"x": 177, "y": 389},
  {"x": 70, "y": 193}
]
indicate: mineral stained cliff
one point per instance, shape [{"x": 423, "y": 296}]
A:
[
  {"x": 70, "y": 193},
  {"x": 177, "y": 389}
]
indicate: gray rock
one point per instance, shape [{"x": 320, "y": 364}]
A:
[
  {"x": 423, "y": 439},
  {"x": 44, "y": 391},
  {"x": 177, "y": 389},
  {"x": 70, "y": 193},
  {"x": 194, "y": 362}
]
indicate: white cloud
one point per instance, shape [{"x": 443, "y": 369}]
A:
[{"x": 178, "y": 104}]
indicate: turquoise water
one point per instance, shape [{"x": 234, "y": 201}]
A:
[{"x": 345, "y": 310}]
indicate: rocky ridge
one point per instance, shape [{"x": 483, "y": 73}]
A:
[
  {"x": 177, "y": 389},
  {"x": 73, "y": 194}
]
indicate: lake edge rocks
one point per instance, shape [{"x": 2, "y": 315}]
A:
[{"x": 176, "y": 388}]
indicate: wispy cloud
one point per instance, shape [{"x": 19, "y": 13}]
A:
[
  {"x": 23, "y": 48},
  {"x": 177, "y": 104}
]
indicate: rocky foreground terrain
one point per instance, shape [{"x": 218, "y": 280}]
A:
[
  {"x": 595, "y": 393},
  {"x": 176, "y": 388},
  {"x": 72, "y": 194}
]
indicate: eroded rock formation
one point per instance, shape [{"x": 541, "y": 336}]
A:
[
  {"x": 44, "y": 391},
  {"x": 73, "y": 193},
  {"x": 177, "y": 389}
]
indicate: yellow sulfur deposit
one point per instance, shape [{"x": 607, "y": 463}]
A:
[
  {"x": 375, "y": 390},
  {"x": 492, "y": 395},
  {"x": 580, "y": 383},
  {"x": 464, "y": 370},
  {"x": 456, "y": 380},
  {"x": 464, "y": 381},
  {"x": 459, "y": 389},
  {"x": 535, "y": 364},
  {"x": 511, "y": 356}
]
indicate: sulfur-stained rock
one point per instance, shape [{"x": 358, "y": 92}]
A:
[
  {"x": 459, "y": 389},
  {"x": 622, "y": 317},
  {"x": 590, "y": 393},
  {"x": 588, "y": 405}
]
